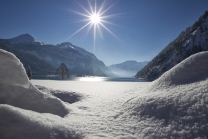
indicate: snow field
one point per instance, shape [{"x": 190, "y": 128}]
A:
[
  {"x": 173, "y": 106},
  {"x": 97, "y": 115}
]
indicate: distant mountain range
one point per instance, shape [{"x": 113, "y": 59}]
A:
[
  {"x": 193, "y": 40},
  {"x": 45, "y": 58},
  {"x": 127, "y": 68}
]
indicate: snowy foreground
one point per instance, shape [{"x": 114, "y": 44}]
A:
[{"x": 174, "y": 106}]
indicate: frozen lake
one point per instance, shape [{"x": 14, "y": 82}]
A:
[{"x": 118, "y": 79}]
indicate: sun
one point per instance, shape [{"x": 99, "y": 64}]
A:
[{"x": 96, "y": 18}]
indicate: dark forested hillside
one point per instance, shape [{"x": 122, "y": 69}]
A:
[
  {"x": 194, "y": 39},
  {"x": 38, "y": 65}
]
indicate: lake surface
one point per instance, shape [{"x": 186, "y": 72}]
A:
[{"x": 106, "y": 79}]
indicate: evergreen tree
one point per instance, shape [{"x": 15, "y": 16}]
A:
[{"x": 62, "y": 71}]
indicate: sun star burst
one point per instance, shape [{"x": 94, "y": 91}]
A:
[{"x": 96, "y": 19}]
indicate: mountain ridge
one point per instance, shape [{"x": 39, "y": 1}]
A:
[
  {"x": 193, "y": 40},
  {"x": 24, "y": 38},
  {"x": 128, "y": 68},
  {"x": 79, "y": 61}
]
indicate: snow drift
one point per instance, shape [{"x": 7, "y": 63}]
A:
[
  {"x": 175, "y": 105},
  {"x": 26, "y": 112},
  {"x": 16, "y": 123},
  {"x": 192, "y": 69},
  {"x": 66, "y": 96},
  {"x": 16, "y": 90}
]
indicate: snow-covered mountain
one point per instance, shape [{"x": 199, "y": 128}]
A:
[
  {"x": 24, "y": 38},
  {"x": 127, "y": 68},
  {"x": 79, "y": 61},
  {"x": 193, "y": 40},
  {"x": 37, "y": 64}
]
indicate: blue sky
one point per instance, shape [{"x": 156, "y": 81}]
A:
[{"x": 143, "y": 27}]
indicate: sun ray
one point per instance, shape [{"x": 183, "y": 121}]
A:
[
  {"x": 94, "y": 36},
  {"x": 110, "y": 32},
  {"x": 78, "y": 31},
  {"x": 91, "y": 9},
  {"x": 108, "y": 8},
  {"x": 89, "y": 28},
  {"x": 96, "y": 19},
  {"x": 95, "y": 8},
  {"x": 101, "y": 7},
  {"x": 108, "y": 22},
  {"x": 84, "y": 8},
  {"x": 100, "y": 31},
  {"x": 110, "y": 16}
]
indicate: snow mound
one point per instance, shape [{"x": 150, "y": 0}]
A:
[
  {"x": 66, "y": 96},
  {"x": 16, "y": 89},
  {"x": 175, "y": 105},
  {"x": 17, "y": 123},
  {"x": 190, "y": 70}
]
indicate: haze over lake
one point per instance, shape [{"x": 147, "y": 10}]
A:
[{"x": 106, "y": 79}]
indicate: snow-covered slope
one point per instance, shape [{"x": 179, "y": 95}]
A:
[
  {"x": 192, "y": 69},
  {"x": 68, "y": 45},
  {"x": 127, "y": 68},
  {"x": 16, "y": 90},
  {"x": 174, "y": 105},
  {"x": 194, "y": 39},
  {"x": 22, "y": 39},
  {"x": 25, "y": 112}
]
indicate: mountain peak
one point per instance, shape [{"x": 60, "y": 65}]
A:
[
  {"x": 65, "y": 45},
  {"x": 24, "y": 38}
]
